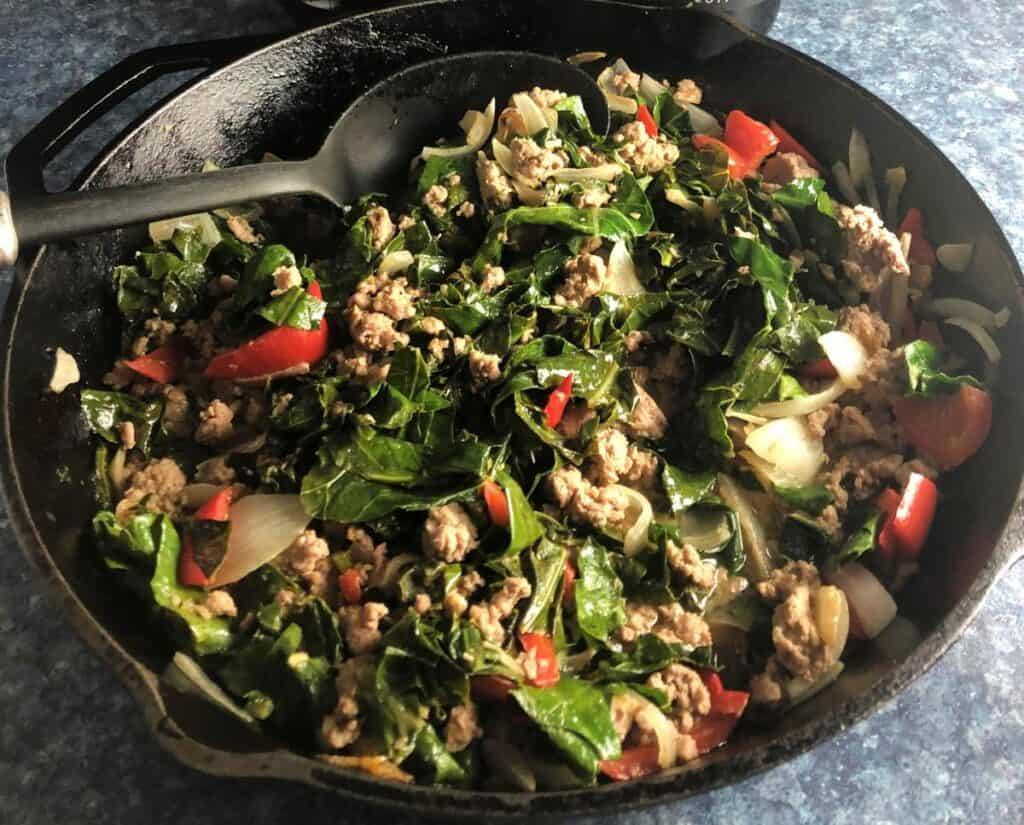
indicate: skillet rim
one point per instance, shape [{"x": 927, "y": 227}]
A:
[{"x": 285, "y": 764}]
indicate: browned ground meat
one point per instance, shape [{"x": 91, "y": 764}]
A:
[
  {"x": 382, "y": 229},
  {"x": 585, "y": 277},
  {"x": 361, "y": 623},
  {"x": 689, "y": 565},
  {"x": 678, "y": 626},
  {"x": 647, "y": 419},
  {"x": 615, "y": 460},
  {"x": 340, "y": 728},
  {"x": 576, "y": 414},
  {"x": 786, "y": 167},
  {"x": 463, "y": 727},
  {"x": 157, "y": 486},
  {"x": 484, "y": 367},
  {"x": 685, "y": 691},
  {"x": 495, "y": 187},
  {"x": 584, "y": 502},
  {"x": 687, "y": 91},
  {"x": 866, "y": 325},
  {"x": 242, "y": 229},
  {"x": 449, "y": 533},
  {"x": 870, "y": 250},
  {"x": 488, "y": 616},
  {"x": 215, "y": 423},
  {"x": 532, "y": 163},
  {"x": 643, "y": 154}
]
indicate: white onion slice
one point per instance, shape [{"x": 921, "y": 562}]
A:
[
  {"x": 962, "y": 308},
  {"x": 65, "y": 371},
  {"x": 789, "y": 445},
  {"x": 665, "y": 733},
  {"x": 978, "y": 333},
  {"x": 477, "y": 126},
  {"x": 580, "y": 58},
  {"x": 651, "y": 89},
  {"x": 616, "y": 102},
  {"x": 622, "y": 279},
  {"x": 678, "y": 197},
  {"x": 703, "y": 122},
  {"x": 503, "y": 155},
  {"x": 533, "y": 117},
  {"x": 703, "y": 529},
  {"x": 759, "y": 565},
  {"x": 955, "y": 257},
  {"x": 209, "y": 234},
  {"x": 185, "y": 674},
  {"x": 847, "y": 355},
  {"x": 846, "y": 187},
  {"x": 606, "y": 172},
  {"x": 860, "y": 158},
  {"x": 640, "y": 514},
  {"x": 395, "y": 262},
  {"x": 529, "y": 196},
  {"x": 262, "y": 526},
  {"x": 869, "y": 601},
  {"x": 749, "y": 418},
  {"x": 895, "y": 181},
  {"x": 906, "y": 239},
  {"x": 1002, "y": 317},
  {"x": 803, "y": 405},
  {"x": 766, "y": 474}
]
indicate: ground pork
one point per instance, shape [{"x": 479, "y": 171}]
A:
[
  {"x": 157, "y": 486},
  {"x": 689, "y": 566},
  {"x": 533, "y": 164},
  {"x": 870, "y": 251},
  {"x": 421, "y": 603},
  {"x": 157, "y": 333},
  {"x": 308, "y": 558},
  {"x": 510, "y": 124},
  {"x": 488, "y": 617},
  {"x": 369, "y": 557},
  {"x": 382, "y": 229},
  {"x": 361, "y": 625},
  {"x": 175, "y": 417},
  {"x": 286, "y": 277},
  {"x": 461, "y": 728},
  {"x": 217, "y": 603},
  {"x": 546, "y": 98},
  {"x": 787, "y": 167},
  {"x": 360, "y": 365},
  {"x": 432, "y": 325},
  {"x": 685, "y": 691},
  {"x": 640, "y": 620},
  {"x": 866, "y": 325},
  {"x": 438, "y": 347},
  {"x": 203, "y": 337},
  {"x": 861, "y": 472},
  {"x": 215, "y": 471},
  {"x": 625, "y": 83},
  {"x": 584, "y": 502},
  {"x": 242, "y": 229},
  {"x": 646, "y": 420},
  {"x": 617, "y": 460},
  {"x": 378, "y": 302},
  {"x": 436, "y": 200},
  {"x": 784, "y": 582},
  {"x": 643, "y": 154},
  {"x": 586, "y": 275},
  {"x": 484, "y": 367},
  {"x": 687, "y": 91},
  {"x": 591, "y": 197},
  {"x": 766, "y": 688},
  {"x": 340, "y": 728},
  {"x": 495, "y": 187},
  {"x": 678, "y": 626},
  {"x": 493, "y": 278},
  {"x": 576, "y": 414},
  {"x": 456, "y": 601},
  {"x": 449, "y": 533},
  {"x": 215, "y": 423}
]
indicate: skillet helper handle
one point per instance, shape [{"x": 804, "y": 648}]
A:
[{"x": 29, "y": 157}]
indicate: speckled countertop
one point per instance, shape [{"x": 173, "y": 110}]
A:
[{"x": 73, "y": 748}]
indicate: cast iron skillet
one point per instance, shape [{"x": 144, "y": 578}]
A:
[{"x": 281, "y": 99}]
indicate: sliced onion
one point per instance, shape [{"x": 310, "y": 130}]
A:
[
  {"x": 869, "y": 601},
  {"x": 860, "y": 159},
  {"x": 209, "y": 234},
  {"x": 639, "y": 515},
  {"x": 846, "y": 187},
  {"x": 800, "y": 690},
  {"x": 185, "y": 674},
  {"x": 622, "y": 279},
  {"x": 477, "y": 126},
  {"x": 65, "y": 371},
  {"x": 906, "y": 239},
  {"x": 616, "y": 102},
  {"x": 847, "y": 355},
  {"x": 962, "y": 308},
  {"x": 955, "y": 257},
  {"x": 551, "y": 116},
  {"x": 503, "y": 155},
  {"x": 533, "y": 117},
  {"x": 749, "y": 418},
  {"x": 703, "y": 122},
  {"x": 1002, "y": 317},
  {"x": 262, "y": 527},
  {"x": 679, "y": 198},
  {"x": 651, "y": 89},
  {"x": 803, "y": 405},
  {"x": 606, "y": 172},
  {"x": 899, "y": 291},
  {"x": 766, "y": 474},
  {"x": 529, "y": 196},
  {"x": 580, "y": 58},
  {"x": 978, "y": 333},
  {"x": 790, "y": 447},
  {"x": 758, "y": 566},
  {"x": 116, "y": 470},
  {"x": 665, "y": 733},
  {"x": 895, "y": 181},
  {"x": 704, "y": 529},
  {"x": 395, "y": 262}
]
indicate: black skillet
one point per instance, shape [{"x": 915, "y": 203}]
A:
[{"x": 282, "y": 99}]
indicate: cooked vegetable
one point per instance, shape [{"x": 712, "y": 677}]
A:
[
  {"x": 788, "y": 143},
  {"x": 921, "y": 250},
  {"x": 870, "y": 603},
  {"x": 956, "y": 257}
]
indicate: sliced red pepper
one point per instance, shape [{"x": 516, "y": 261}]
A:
[
  {"x": 274, "y": 351},
  {"x": 726, "y": 702},
  {"x": 788, "y": 143},
  {"x": 350, "y": 584},
  {"x": 163, "y": 365},
  {"x": 751, "y": 139},
  {"x": 888, "y": 502},
  {"x": 555, "y": 408},
  {"x": 738, "y": 166},
  {"x": 490, "y": 688},
  {"x": 635, "y": 762},
  {"x": 540, "y": 648},
  {"x": 822, "y": 368},
  {"x": 497, "y": 503},
  {"x": 909, "y": 526},
  {"x": 568, "y": 583},
  {"x": 643, "y": 115},
  {"x": 216, "y": 508},
  {"x": 921, "y": 251},
  {"x": 711, "y": 731}
]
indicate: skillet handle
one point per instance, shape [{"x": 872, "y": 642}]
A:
[{"x": 30, "y": 155}]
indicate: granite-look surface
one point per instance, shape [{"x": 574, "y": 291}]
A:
[{"x": 950, "y": 749}]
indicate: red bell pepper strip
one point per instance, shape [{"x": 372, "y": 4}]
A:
[
  {"x": 750, "y": 139},
  {"x": 921, "y": 251},
  {"x": 888, "y": 502},
  {"x": 274, "y": 351},
  {"x": 163, "y": 365},
  {"x": 822, "y": 368},
  {"x": 497, "y": 503},
  {"x": 711, "y": 731},
  {"x": 540, "y": 648},
  {"x": 907, "y": 529},
  {"x": 490, "y": 688},
  {"x": 738, "y": 166},
  {"x": 643, "y": 115},
  {"x": 788, "y": 143},
  {"x": 555, "y": 408},
  {"x": 217, "y": 508},
  {"x": 725, "y": 702},
  {"x": 568, "y": 583},
  {"x": 635, "y": 762},
  {"x": 351, "y": 586}
]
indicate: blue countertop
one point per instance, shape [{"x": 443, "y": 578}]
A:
[{"x": 73, "y": 747}]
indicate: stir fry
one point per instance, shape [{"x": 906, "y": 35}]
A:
[{"x": 553, "y": 468}]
